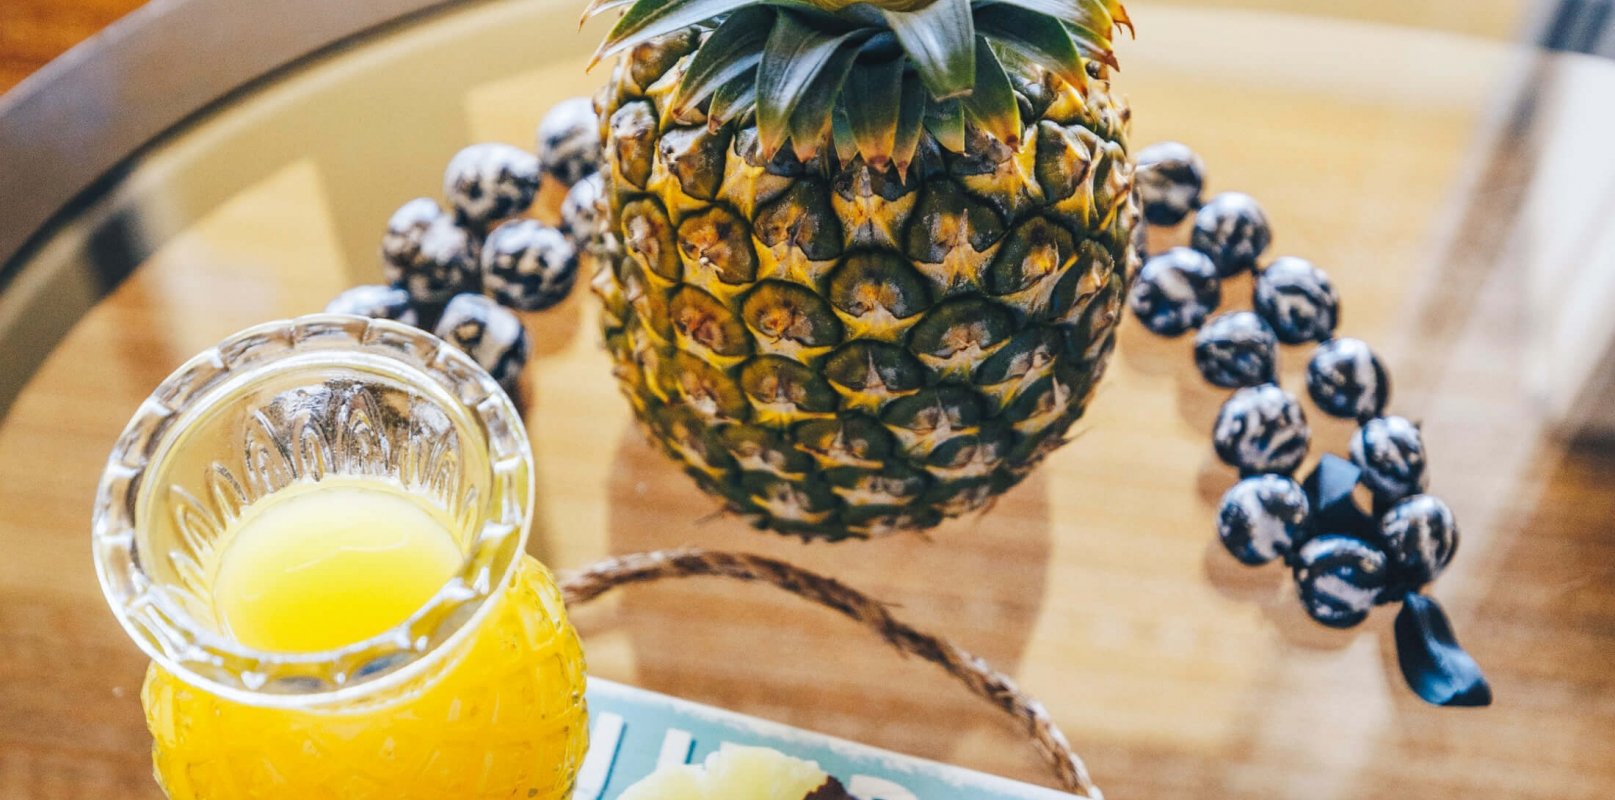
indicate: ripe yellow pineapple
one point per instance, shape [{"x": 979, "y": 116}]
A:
[
  {"x": 740, "y": 773},
  {"x": 871, "y": 255}
]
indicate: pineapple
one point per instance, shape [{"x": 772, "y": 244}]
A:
[
  {"x": 740, "y": 773},
  {"x": 868, "y": 258}
]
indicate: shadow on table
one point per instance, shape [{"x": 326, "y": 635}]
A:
[{"x": 755, "y": 649}]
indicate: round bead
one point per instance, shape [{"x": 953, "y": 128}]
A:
[
  {"x": 1170, "y": 177},
  {"x": 1420, "y": 537},
  {"x": 1232, "y": 230},
  {"x": 375, "y": 301},
  {"x": 1347, "y": 380},
  {"x": 583, "y": 212},
  {"x": 1390, "y": 452},
  {"x": 488, "y": 182},
  {"x": 1339, "y": 578},
  {"x": 528, "y": 265},
  {"x": 490, "y": 333},
  {"x": 569, "y": 141},
  {"x": 1261, "y": 518},
  {"x": 1175, "y": 291},
  {"x": 1298, "y": 300},
  {"x": 428, "y": 255},
  {"x": 402, "y": 241},
  {"x": 1262, "y": 429},
  {"x": 1236, "y": 349}
]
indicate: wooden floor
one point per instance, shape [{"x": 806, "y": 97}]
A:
[{"x": 1098, "y": 583}]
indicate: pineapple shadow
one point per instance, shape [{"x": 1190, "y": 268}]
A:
[
  {"x": 1270, "y": 588},
  {"x": 1156, "y": 356},
  {"x": 553, "y": 330},
  {"x": 1197, "y": 403},
  {"x": 978, "y": 581}
]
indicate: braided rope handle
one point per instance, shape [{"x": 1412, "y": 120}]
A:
[{"x": 993, "y": 686}]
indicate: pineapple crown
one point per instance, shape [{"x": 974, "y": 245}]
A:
[{"x": 871, "y": 76}]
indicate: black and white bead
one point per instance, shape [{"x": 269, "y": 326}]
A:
[
  {"x": 1175, "y": 291},
  {"x": 1340, "y": 577},
  {"x": 427, "y": 254},
  {"x": 402, "y": 241},
  {"x": 1390, "y": 451},
  {"x": 1420, "y": 537},
  {"x": 1298, "y": 300},
  {"x": 1262, "y": 429},
  {"x": 1347, "y": 380},
  {"x": 1344, "y": 560},
  {"x": 1236, "y": 349},
  {"x": 569, "y": 146},
  {"x": 1170, "y": 177},
  {"x": 1232, "y": 231},
  {"x": 528, "y": 265},
  {"x": 1261, "y": 518},
  {"x": 375, "y": 301},
  {"x": 491, "y": 334},
  {"x": 489, "y": 182},
  {"x": 583, "y": 212}
]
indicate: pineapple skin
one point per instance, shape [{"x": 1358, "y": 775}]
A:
[{"x": 839, "y": 351}]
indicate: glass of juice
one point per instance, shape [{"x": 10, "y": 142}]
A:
[{"x": 316, "y": 530}]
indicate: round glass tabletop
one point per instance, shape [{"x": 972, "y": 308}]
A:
[{"x": 1455, "y": 188}]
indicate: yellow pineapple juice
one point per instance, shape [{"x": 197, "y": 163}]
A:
[
  {"x": 323, "y": 565},
  {"x": 316, "y": 530}
]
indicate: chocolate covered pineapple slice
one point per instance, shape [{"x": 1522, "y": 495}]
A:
[{"x": 740, "y": 773}]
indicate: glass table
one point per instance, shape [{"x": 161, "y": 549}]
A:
[{"x": 1454, "y": 188}]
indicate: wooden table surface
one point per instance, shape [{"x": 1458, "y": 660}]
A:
[
  {"x": 33, "y": 32},
  {"x": 1098, "y": 583}
]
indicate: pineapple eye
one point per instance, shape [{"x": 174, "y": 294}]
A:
[
  {"x": 1043, "y": 261},
  {"x": 965, "y": 337},
  {"x": 648, "y": 238},
  {"x": 718, "y": 244},
  {"x": 780, "y": 311},
  {"x": 700, "y": 327},
  {"x": 871, "y": 296},
  {"x": 700, "y": 318},
  {"x": 776, "y": 322}
]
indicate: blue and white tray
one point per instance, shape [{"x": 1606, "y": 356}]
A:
[{"x": 633, "y": 731}]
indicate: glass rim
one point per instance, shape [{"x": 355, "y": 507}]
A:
[{"x": 201, "y": 656}]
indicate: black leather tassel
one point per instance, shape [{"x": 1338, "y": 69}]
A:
[{"x": 1436, "y": 668}]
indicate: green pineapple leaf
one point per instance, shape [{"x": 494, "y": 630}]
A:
[
  {"x": 794, "y": 55},
  {"x": 910, "y": 121},
  {"x": 600, "y": 7},
  {"x": 1098, "y": 15},
  {"x": 648, "y": 19},
  {"x": 946, "y": 121},
  {"x": 992, "y": 104},
  {"x": 939, "y": 42},
  {"x": 846, "y": 144},
  {"x": 1089, "y": 22},
  {"x": 1093, "y": 45},
  {"x": 733, "y": 49},
  {"x": 1034, "y": 36},
  {"x": 873, "y": 101},
  {"x": 733, "y": 100},
  {"x": 811, "y": 120}
]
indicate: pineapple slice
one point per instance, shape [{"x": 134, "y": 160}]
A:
[{"x": 740, "y": 773}]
